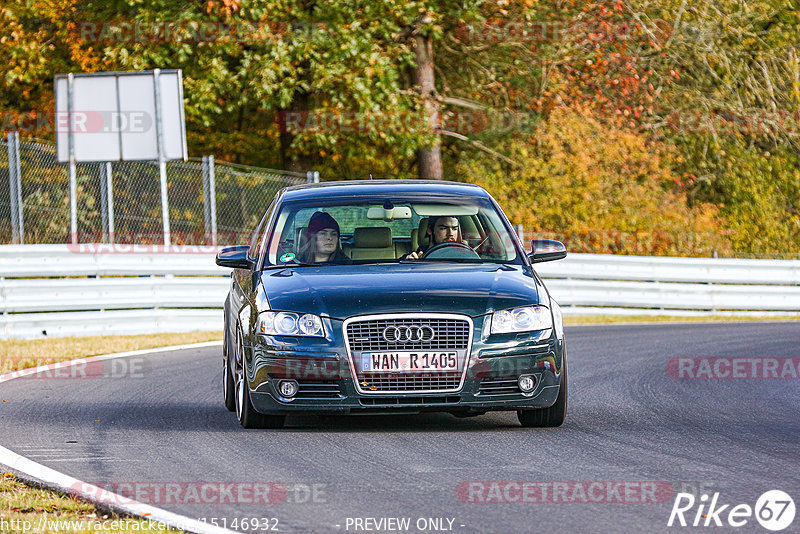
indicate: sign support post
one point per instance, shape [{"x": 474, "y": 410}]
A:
[
  {"x": 15, "y": 183},
  {"x": 209, "y": 198},
  {"x": 107, "y": 200},
  {"x": 73, "y": 186},
  {"x": 162, "y": 162}
]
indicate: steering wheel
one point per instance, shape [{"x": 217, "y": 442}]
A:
[{"x": 450, "y": 250}]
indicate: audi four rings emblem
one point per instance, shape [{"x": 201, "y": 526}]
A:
[{"x": 408, "y": 334}]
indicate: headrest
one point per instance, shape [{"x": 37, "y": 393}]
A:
[
  {"x": 422, "y": 233},
  {"x": 380, "y": 237}
]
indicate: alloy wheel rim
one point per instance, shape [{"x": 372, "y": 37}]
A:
[
  {"x": 225, "y": 379},
  {"x": 239, "y": 397},
  {"x": 239, "y": 380}
]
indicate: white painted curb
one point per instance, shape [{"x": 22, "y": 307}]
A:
[{"x": 90, "y": 492}]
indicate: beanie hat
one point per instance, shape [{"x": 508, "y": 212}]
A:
[{"x": 319, "y": 221}]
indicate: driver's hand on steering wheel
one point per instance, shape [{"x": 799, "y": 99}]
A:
[{"x": 417, "y": 254}]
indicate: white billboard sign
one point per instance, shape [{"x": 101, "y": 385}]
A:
[{"x": 120, "y": 116}]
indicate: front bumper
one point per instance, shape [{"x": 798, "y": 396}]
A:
[{"x": 323, "y": 371}]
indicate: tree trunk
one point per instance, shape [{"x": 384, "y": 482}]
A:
[
  {"x": 301, "y": 102},
  {"x": 293, "y": 161},
  {"x": 429, "y": 159}
]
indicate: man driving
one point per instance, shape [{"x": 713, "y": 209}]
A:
[{"x": 440, "y": 230}]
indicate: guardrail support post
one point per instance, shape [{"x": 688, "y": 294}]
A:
[
  {"x": 15, "y": 183},
  {"x": 210, "y": 198}
]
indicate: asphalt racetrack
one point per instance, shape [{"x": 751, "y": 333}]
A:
[{"x": 633, "y": 433}]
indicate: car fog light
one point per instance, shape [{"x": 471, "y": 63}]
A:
[
  {"x": 526, "y": 383},
  {"x": 287, "y": 388}
]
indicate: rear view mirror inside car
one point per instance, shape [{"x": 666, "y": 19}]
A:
[{"x": 398, "y": 212}]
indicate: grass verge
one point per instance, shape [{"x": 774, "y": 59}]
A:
[
  {"x": 22, "y": 353},
  {"x": 575, "y": 320},
  {"x": 25, "y": 508}
]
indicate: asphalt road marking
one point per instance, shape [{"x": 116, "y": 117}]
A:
[{"x": 87, "y": 492}]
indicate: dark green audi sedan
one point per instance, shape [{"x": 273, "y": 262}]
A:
[{"x": 390, "y": 297}]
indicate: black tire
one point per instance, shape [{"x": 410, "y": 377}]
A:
[
  {"x": 247, "y": 415},
  {"x": 228, "y": 383},
  {"x": 228, "y": 386},
  {"x": 548, "y": 417}
]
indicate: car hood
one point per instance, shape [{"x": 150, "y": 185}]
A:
[{"x": 342, "y": 291}]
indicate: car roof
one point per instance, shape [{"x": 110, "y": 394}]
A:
[{"x": 348, "y": 188}]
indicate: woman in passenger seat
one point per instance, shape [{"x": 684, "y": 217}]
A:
[{"x": 322, "y": 241}]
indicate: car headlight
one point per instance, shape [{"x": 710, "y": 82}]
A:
[
  {"x": 521, "y": 320},
  {"x": 290, "y": 324}
]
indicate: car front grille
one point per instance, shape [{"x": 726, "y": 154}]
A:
[
  {"x": 368, "y": 335},
  {"x": 451, "y": 333}
]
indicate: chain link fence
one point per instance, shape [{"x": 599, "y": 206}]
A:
[{"x": 121, "y": 201}]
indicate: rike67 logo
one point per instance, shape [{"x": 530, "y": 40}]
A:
[{"x": 774, "y": 510}]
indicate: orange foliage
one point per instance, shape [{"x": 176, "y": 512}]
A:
[{"x": 599, "y": 184}]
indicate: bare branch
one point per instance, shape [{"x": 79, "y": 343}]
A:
[
  {"x": 462, "y": 102},
  {"x": 481, "y": 146}
]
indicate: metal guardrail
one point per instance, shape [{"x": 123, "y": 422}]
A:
[
  {"x": 103, "y": 323},
  {"x": 674, "y": 296},
  {"x": 33, "y": 261},
  {"x": 76, "y": 294},
  {"x": 673, "y": 269},
  {"x": 60, "y": 290}
]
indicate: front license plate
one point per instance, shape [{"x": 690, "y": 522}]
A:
[{"x": 410, "y": 362}]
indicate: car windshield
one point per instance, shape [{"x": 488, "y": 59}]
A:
[{"x": 389, "y": 230}]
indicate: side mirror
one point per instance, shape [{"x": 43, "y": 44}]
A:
[
  {"x": 546, "y": 250},
  {"x": 235, "y": 257}
]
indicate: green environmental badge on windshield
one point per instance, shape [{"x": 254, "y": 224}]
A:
[{"x": 287, "y": 257}]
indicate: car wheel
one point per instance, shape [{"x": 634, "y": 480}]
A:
[
  {"x": 247, "y": 415},
  {"x": 548, "y": 417}
]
